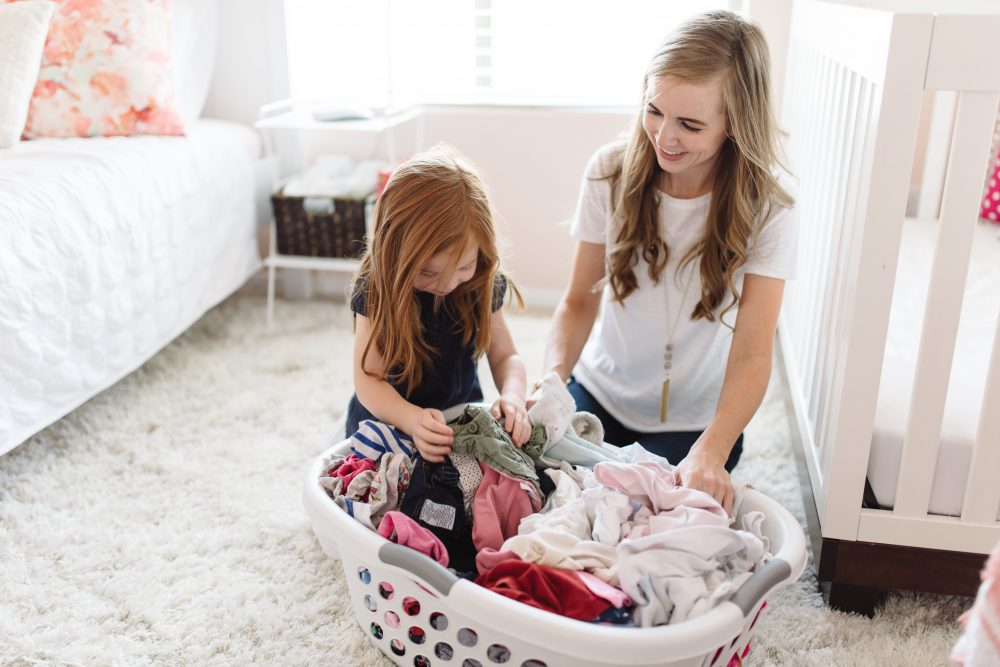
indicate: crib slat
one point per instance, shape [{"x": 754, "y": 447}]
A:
[
  {"x": 841, "y": 297},
  {"x": 982, "y": 493},
  {"x": 973, "y": 130},
  {"x": 871, "y": 242}
]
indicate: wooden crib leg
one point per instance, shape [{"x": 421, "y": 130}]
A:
[
  {"x": 855, "y": 576},
  {"x": 853, "y": 599}
]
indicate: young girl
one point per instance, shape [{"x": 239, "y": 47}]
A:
[{"x": 427, "y": 302}]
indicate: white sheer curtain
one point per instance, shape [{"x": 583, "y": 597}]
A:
[{"x": 558, "y": 52}]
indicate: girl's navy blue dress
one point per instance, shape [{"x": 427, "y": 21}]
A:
[{"x": 452, "y": 378}]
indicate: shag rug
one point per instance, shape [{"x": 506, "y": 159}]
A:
[{"x": 161, "y": 523}]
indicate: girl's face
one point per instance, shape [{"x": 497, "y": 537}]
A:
[
  {"x": 686, "y": 124},
  {"x": 431, "y": 276}
]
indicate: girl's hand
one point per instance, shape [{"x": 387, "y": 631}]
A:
[
  {"x": 431, "y": 434},
  {"x": 705, "y": 472},
  {"x": 515, "y": 417}
]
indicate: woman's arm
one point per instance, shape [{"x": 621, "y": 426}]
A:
[
  {"x": 426, "y": 426},
  {"x": 509, "y": 377},
  {"x": 576, "y": 312},
  {"x": 748, "y": 371}
]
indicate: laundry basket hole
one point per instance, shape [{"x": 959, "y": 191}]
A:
[
  {"x": 385, "y": 589},
  {"x": 439, "y": 621},
  {"x": 444, "y": 651},
  {"x": 397, "y": 647},
  {"x": 411, "y": 606},
  {"x": 364, "y": 575},
  {"x": 498, "y": 653},
  {"x": 533, "y": 663},
  {"x": 376, "y": 631},
  {"x": 392, "y": 619},
  {"x": 467, "y": 637},
  {"x": 370, "y": 603},
  {"x": 471, "y": 662},
  {"x": 417, "y": 635},
  {"x": 421, "y": 661}
]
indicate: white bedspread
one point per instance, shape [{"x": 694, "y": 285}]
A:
[
  {"x": 110, "y": 248},
  {"x": 968, "y": 376}
]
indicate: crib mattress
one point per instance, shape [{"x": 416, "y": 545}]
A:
[
  {"x": 109, "y": 248},
  {"x": 968, "y": 376}
]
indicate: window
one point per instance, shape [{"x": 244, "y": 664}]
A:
[{"x": 551, "y": 52}]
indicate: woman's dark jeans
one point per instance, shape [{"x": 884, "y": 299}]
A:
[{"x": 672, "y": 445}]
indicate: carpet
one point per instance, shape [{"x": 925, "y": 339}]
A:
[{"x": 161, "y": 523}]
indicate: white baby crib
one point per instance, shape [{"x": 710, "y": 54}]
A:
[{"x": 857, "y": 73}]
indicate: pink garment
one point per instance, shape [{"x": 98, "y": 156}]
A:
[
  {"x": 487, "y": 559},
  {"x": 401, "y": 529},
  {"x": 656, "y": 487},
  {"x": 501, "y": 502},
  {"x": 602, "y": 589},
  {"x": 979, "y": 645},
  {"x": 351, "y": 467}
]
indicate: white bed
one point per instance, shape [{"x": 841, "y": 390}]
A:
[
  {"x": 967, "y": 384},
  {"x": 110, "y": 248},
  {"x": 891, "y": 381}
]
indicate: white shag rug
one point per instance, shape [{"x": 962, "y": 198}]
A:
[{"x": 161, "y": 523}]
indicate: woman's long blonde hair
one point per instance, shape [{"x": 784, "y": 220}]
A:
[
  {"x": 433, "y": 203},
  {"x": 723, "y": 45}
]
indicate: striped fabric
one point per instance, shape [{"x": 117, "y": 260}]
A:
[{"x": 373, "y": 439}]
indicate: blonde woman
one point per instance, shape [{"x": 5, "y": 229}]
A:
[
  {"x": 427, "y": 301},
  {"x": 685, "y": 235}
]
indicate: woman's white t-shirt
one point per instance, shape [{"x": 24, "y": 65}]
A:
[{"x": 622, "y": 362}]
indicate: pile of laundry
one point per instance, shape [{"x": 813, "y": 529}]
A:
[{"x": 564, "y": 523}]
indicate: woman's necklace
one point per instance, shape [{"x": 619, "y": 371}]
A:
[{"x": 668, "y": 352}]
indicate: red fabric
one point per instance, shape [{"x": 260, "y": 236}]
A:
[
  {"x": 487, "y": 559},
  {"x": 350, "y": 468},
  {"x": 552, "y": 589}
]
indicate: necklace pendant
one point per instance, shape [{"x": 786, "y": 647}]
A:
[{"x": 665, "y": 398}]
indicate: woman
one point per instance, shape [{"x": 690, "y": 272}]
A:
[{"x": 685, "y": 237}]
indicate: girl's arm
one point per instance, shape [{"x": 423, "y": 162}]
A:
[
  {"x": 576, "y": 312},
  {"x": 748, "y": 371},
  {"x": 509, "y": 377},
  {"x": 426, "y": 426}
]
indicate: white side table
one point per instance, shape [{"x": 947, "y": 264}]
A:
[{"x": 290, "y": 115}]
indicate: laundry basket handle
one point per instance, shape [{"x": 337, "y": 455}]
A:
[
  {"x": 760, "y": 584},
  {"x": 418, "y": 564}
]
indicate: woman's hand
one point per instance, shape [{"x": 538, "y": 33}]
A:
[
  {"x": 431, "y": 434},
  {"x": 515, "y": 417},
  {"x": 706, "y": 472}
]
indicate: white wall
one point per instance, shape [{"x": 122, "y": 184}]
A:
[{"x": 251, "y": 66}]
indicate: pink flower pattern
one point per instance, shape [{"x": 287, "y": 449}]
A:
[{"x": 105, "y": 71}]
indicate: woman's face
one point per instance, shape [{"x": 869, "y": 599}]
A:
[
  {"x": 686, "y": 124},
  {"x": 431, "y": 277}
]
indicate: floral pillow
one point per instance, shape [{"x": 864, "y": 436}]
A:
[{"x": 105, "y": 71}]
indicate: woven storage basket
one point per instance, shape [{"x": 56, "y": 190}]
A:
[{"x": 319, "y": 226}]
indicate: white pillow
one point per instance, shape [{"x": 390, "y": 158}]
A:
[{"x": 23, "y": 28}]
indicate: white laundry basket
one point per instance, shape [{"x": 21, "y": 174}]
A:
[{"x": 419, "y": 613}]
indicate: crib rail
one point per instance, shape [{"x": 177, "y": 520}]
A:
[
  {"x": 851, "y": 106},
  {"x": 856, "y": 80}
]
